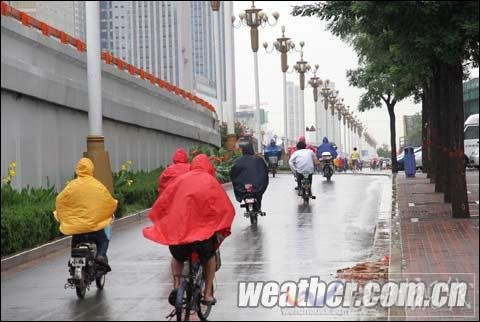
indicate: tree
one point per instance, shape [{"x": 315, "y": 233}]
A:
[
  {"x": 414, "y": 135},
  {"x": 384, "y": 151},
  {"x": 433, "y": 40}
]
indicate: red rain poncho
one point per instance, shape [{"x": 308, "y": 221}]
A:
[
  {"x": 180, "y": 166},
  {"x": 192, "y": 208}
]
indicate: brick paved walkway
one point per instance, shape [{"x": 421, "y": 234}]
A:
[{"x": 436, "y": 246}]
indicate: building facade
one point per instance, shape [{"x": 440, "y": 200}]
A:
[
  {"x": 470, "y": 97},
  {"x": 173, "y": 40},
  {"x": 58, "y": 14}
]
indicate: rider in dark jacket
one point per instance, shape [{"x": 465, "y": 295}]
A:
[
  {"x": 326, "y": 147},
  {"x": 273, "y": 150},
  {"x": 249, "y": 169}
]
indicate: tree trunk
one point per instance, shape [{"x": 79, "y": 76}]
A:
[
  {"x": 433, "y": 135},
  {"x": 440, "y": 138},
  {"x": 425, "y": 130},
  {"x": 393, "y": 135},
  {"x": 457, "y": 188}
]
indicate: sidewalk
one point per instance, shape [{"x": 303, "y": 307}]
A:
[{"x": 436, "y": 246}]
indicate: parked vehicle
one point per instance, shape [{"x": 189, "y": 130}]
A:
[{"x": 471, "y": 140}]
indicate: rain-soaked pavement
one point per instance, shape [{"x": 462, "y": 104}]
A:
[{"x": 293, "y": 241}]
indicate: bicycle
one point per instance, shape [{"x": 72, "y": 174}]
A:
[{"x": 189, "y": 293}]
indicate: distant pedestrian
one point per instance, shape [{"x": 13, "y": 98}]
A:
[{"x": 355, "y": 158}]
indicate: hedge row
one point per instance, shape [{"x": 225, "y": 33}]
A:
[{"x": 27, "y": 216}]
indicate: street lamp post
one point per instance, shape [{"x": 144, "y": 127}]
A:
[
  {"x": 333, "y": 99},
  {"x": 335, "y": 107},
  {"x": 326, "y": 92},
  {"x": 349, "y": 123},
  {"x": 360, "y": 129},
  {"x": 218, "y": 67},
  {"x": 301, "y": 67},
  {"x": 230, "y": 75},
  {"x": 345, "y": 116},
  {"x": 283, "y": 45},
  {"x": 254, "y": 18},
  {"x": 339, "y": 115},
  {"x": 96, "y": 141},
  {"x": 315, "y": 82}
]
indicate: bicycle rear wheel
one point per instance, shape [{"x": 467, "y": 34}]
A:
[
  {"x": 183, "y": 302},
  {"x": 203, "y": 310}
]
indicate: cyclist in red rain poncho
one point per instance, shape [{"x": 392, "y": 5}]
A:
[
  {"x": 192, "y": 214},
  {"x": 180, "y": 166}
]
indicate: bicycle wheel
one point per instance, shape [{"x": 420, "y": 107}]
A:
[
  {"x": 183, "y": 302},
  {"x": 203, "y": 310}
]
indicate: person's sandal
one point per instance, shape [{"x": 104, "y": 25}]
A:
[{"x": 208, "y": 303}]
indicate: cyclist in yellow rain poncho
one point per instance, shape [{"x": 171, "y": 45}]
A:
[{"x": 85, "y": 208}]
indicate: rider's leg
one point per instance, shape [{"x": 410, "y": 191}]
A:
[
  {"x": 258, "y": 204},
  {"x": 206, "y": 251},
  {"x": 299, "y": 181},
  {"x": 180, "y": 254},
  {"x": 209, "y": 268},
  {"x": 177, "y": 268},
  {"x": 102, "y": 243}
]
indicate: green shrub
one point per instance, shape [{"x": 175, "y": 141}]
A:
[
  {"x": 27, "y": 218},
  {"x": 142, "y": 191},
  {"x": 27, "y": 215}
]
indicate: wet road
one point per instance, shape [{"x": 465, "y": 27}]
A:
[{"x": 293, "y": 241}]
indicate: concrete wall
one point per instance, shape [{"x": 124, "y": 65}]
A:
[{"x": 44, "y": 105}]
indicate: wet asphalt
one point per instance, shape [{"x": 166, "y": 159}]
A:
[{"x": 292, "y": 241}]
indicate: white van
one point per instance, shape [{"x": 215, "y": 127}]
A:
[{"x": 471, "y": 140}]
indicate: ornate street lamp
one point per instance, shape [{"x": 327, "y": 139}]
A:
[
  {"x": 283, "y": 45},
  {"x": 301, "y": 67},
  {"x": 254, "y": 18},
  {"x": 315, "y": 82}
]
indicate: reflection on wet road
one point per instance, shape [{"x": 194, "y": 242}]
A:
[{"x": 293, "y": 241}]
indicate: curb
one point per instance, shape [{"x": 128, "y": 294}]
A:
[
  {"x": 366, "y": 174},
  {"x": 349, "y": 173},
  {"x": 395, "y": 267},
  {"x": 63, "y": 243}
]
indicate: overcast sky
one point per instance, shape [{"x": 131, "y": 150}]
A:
[{"x": 332, "y": 55}]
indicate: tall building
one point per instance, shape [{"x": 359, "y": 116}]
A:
[
  {"x": 246, "y": 115},
  {"x": 58, "y": 14},
  {"x": 171, "y": 39},
  {"x": 470, "y": 97},
  {"x": 79, "y": 22},
  {"x": 204, "y": 48},
  {"x": 293, "y": 98}
]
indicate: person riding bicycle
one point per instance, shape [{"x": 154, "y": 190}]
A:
[
  {"x": 301, "y": 161},
  {"x": 193, "y": 214},
  {"x": 180, "y": 166},
  {"x": 249, "y": 169},
  {"x": 85, "y": 209},
  {"x": 355, "y": 159},
  {"x": 273, "y": 150},
  {"x": 326, "y": 147}
]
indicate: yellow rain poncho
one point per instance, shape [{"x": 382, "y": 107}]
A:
[{"x": 85, "y": 205}]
